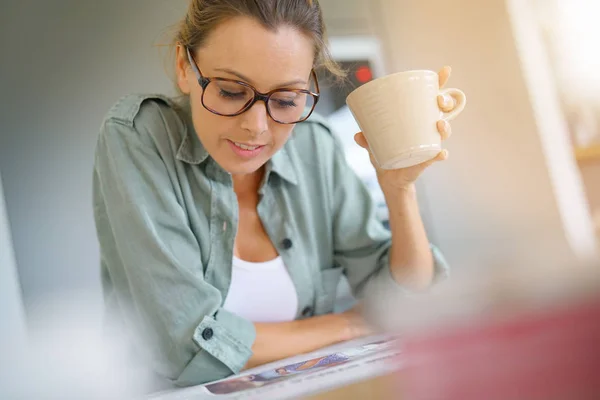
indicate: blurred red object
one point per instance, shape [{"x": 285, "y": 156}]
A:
[
  {"x": 364, "y": 74},
  {"x": 552, "y": 353}
]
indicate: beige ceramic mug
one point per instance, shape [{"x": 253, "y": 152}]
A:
[{"x": 398, "y": 114}]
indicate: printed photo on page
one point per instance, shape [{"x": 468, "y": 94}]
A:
[{"x": 285, "y": 372}]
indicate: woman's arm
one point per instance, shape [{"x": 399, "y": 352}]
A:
[
  {"x": 378, "y": 261},
  {"x": 275, "y": 341},
  {"x": 411, "y": 260},
  {"x": 412, "y": 263}
]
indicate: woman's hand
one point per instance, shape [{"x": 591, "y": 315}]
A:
[{"x": 403, "y": 178}]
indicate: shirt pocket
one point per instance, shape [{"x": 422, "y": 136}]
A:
[{"x": 330, "y": 279}]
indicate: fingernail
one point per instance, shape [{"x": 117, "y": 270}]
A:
[{"x": 441, "y": 125}]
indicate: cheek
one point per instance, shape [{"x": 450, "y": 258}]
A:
[
  {"x": 280, "y": 134},
  {"x": 210, "y": 127}
]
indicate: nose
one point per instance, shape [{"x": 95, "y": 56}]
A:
[{"x": 256, "y": 119}]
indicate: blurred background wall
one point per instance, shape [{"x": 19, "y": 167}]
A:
[
  {"x": 507, "y": 192},
  {"x": 68, "y": 61}
]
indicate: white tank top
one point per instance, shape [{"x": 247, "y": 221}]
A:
[{"x": 262, "y": 292}]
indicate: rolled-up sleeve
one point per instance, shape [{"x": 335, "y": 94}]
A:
[
  {"x": 153, "y": 262},
  {"x": 361, "y": 242}
]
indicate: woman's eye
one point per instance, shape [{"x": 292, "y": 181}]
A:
[
  {"x": 284, "y": 103},
  {"x": 231, "y": 95}
]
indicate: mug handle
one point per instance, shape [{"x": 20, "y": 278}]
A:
[{"x": 461, "y": 102}]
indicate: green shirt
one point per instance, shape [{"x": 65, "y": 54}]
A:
[{"x": 166, "y": 218}]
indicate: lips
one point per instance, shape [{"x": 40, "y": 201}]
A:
[
  {"x": 248, "y": 147},
  {"x": 246, "y": 150}
]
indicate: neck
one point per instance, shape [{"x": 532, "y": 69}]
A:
[{"x": 248, "y": 184}]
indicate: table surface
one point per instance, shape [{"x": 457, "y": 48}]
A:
[{"x": 376, "y": 388}]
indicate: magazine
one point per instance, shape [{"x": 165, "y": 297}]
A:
[{"x": 303, "y": 375}]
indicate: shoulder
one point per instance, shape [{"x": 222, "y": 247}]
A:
[
  {"x": 134, "y": 108},
  {"x": 315, "y": 126},
  {"x": 315, "y": 140},
  {"x": 144, "y": 117}
]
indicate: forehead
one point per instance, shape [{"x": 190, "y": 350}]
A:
[{"x": 265, "y": 56}]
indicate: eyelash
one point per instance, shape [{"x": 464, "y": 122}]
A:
[
  {"x": 280, "y": 103},
  {"x": 286, "y": 103},
  {"x": 229, "y": 95}
]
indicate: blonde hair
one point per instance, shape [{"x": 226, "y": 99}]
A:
[{"x": 203, "y": 16}]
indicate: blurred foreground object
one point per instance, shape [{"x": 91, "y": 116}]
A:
[
  {"x": 512, "y": 332},
  {"x": 550, "y": 354}
]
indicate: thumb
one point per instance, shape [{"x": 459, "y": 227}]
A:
[{"x": 360, "y": 140}]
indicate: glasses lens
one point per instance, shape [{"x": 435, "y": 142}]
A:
[
  {"x": 290, "y": 106},
  {"x": 226, "y": 98}
]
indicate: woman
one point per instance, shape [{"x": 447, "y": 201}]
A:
[{"x": 225, "y": 222}]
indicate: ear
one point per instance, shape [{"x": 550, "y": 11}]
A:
[{"x": 183, "y": 70}]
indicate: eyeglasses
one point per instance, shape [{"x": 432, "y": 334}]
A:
[{"x": 229, "y": 97}]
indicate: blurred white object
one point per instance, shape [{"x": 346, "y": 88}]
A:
[
  {"x": 576, "y": 33},
  {"x": 13, "y": 329},
  {"x": 345, "y": 127},
  {"x": 65, "y": 357},
  {"x": 556, "y": 143}
]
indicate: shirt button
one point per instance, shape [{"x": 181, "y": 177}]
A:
[
  {"x": 286, "y": 244},
  {"x": 207, "y": 334},
  {"x": 307, "y": 312}
]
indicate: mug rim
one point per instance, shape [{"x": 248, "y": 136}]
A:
[{"x": 424, "y": 72}]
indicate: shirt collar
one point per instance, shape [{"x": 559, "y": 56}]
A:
[
  {"x": 192, "y": 151},
  {"x": 281, "y": 164}
]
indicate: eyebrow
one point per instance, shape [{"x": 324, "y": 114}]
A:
[{"x": 245, "y": 79}]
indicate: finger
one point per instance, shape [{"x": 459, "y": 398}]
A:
[
  {"x": 444, "y": 128},
  {"x": 360, "y": 140},
  {"x": 444, "y": 74},
  {"x": 442, "y": 156},
  {"x": 446, "y": 103}
]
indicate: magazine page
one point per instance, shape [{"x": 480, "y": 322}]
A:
[{"x": 302, "y": 375}]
